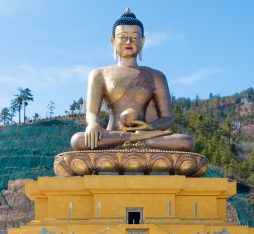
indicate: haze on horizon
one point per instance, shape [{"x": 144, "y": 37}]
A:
[{"x": 50, "y": 47}]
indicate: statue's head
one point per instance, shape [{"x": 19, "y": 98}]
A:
[{"x": 128, "y": 35}]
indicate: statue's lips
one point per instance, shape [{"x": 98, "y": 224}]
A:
[{"x": 128, "y": 47}]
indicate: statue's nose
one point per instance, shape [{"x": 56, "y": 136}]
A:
[{"x": 128, "y": 40}]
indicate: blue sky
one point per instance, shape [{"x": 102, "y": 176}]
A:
[{"x": 50, "y": 46}]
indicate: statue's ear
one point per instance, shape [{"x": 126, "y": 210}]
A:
[
  {"x": 143, "y": 41},
  {"x": 113, "y": 41}
]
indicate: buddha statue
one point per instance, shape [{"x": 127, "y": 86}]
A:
[
  {"x": 138, "y": 138},
  {"x": 138, "y": 97}
]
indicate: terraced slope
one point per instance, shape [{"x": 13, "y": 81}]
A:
[{"x": 27, "y": 151}]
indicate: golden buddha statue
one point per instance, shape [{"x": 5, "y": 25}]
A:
[
  {"x": 138, "y": 97},
  {"x": 137, "y": 138}
]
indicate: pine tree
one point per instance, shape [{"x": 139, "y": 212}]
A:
[{"x": 5, "y": 115}]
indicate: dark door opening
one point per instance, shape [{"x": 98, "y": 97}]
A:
[{"x": 134, "y": 215}]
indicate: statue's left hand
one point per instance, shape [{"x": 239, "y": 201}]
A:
[{"x": 139, "y": 125}]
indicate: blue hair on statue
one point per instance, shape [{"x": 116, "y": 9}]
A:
[{"x": 128, "y": 18}]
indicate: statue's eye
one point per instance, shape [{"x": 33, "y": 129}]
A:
[
  {"x": 122, "y": 37},
  {"x": 125, "y": 38}
]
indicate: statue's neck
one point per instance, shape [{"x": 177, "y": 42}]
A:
[{"x": 128, "y": 62}]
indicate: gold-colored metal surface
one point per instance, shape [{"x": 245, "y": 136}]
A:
[
  {"x": 140, "y": 118},
  {"x": 130, "y": 160},
  {"x": 79, "y": 167},
  {"x": 132, "y": 92}
]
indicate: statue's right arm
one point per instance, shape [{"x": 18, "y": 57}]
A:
[{"x": 95, "y": 94}]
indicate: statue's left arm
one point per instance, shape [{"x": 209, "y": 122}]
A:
[{"x": 162, "y": 99}]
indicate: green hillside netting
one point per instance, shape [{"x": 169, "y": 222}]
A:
[
  {"x": 213, "y": 174},
  {"x": 28, "y": 151},
  {"x": 46, "y": 138},
  {"x": 242, "y": 202},
  {"x": 24, "y": 167},
  {"x": 244, "y": 208}
]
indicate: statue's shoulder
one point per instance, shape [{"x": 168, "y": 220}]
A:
[
  {"x": 101, "y": 71},
  {"x": 98, "y": 74},
  {"x": 156, "y": 74}
]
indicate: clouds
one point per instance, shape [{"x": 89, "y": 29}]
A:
[
  {"x": 154, "y": 39},
  {"x": 199, "y": 75},
  {"x": 29, "y": 75},
  {"x": 62, "y": 84}
]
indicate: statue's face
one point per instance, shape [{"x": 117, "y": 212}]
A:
[{"x": 128, "y": 40}]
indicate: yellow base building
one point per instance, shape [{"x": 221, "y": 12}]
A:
[{"x": 130, "y": 204}]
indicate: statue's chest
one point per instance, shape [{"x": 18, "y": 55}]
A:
[
  {"x": 116, "y": 86},
  {"x": 135, "y": 89}
]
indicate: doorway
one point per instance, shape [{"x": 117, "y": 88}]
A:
[{"x": 134, "y": 215}]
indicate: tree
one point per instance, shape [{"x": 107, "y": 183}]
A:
[
  {"x": 73, "y": 106},
  {"x": 179, "y": 117},
  {"x": 27, "y": 96},
  {"x": 210, "y": 96},
  {"x": 80, "y": 104},
  {"x": 197, "y": 100},
  {"x": 36, "y": 116},
  {"x": 250, "y": 94},
  {"x": 23, "y": 98},
  {"x": 228, "y": 130},
  {"x": 5, "y": 115},
  {"x": 17, "y": 104},
  {"x": 51, "y": 107},
  {"x": 13, "y": 109}
]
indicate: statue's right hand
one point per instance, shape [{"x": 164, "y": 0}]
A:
[{"x": 93, "y": 134}]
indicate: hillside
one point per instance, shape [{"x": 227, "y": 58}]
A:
[
  {"x": 222, "y": 129},
  {"x": 27, "y": 151}
]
